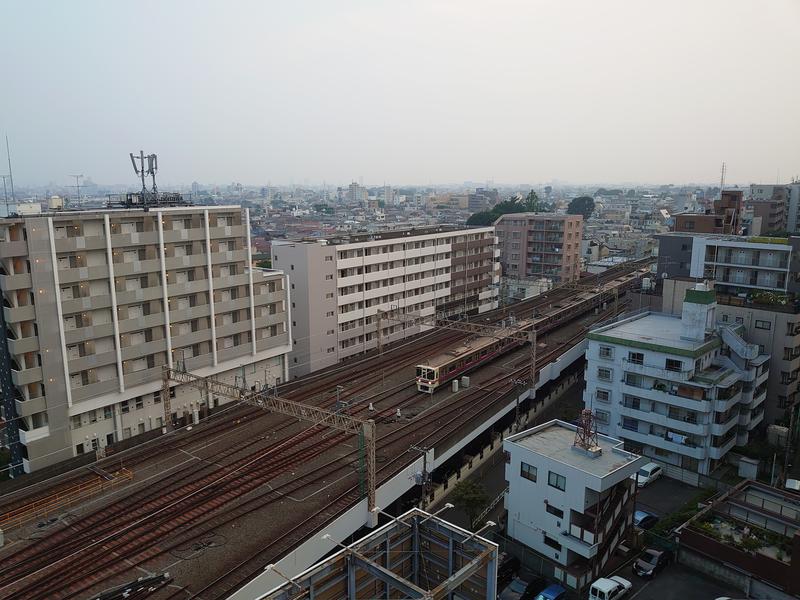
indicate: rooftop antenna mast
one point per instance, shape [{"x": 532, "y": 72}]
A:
[
  {"x": 77, "y": 187},
  {"x": 144, "y": 165},
  {"x": 5, "y": 191},
  {"x": 10, "y": 172},
  {"x": 722, "y": 178}
]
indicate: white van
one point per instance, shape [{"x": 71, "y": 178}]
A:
[{"x": 611, "y": 588}]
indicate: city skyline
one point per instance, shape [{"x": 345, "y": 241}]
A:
[{"x": 420, "y": 92}]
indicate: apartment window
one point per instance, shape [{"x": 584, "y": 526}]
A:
[
  {"x": 630, "y": 424},
  {"x": 124, "y": 406},
  {"x": 783, "y": 402},
  {"x": 557, "y": 512},
  {"x": 636, "y": 358},
  {"x": 157, "y": 397},
  {"x": 329, "y": 314},
  {"x": 604, "y": 374},
  {"x": 740, "y": 320},
  {"x": 552, "y": 543},
  {"x": 724, "y": 318},
  {"x": 603, "y": 396},
  {"x": 329, "y": 295},
  {"x": 673, "y": 365},
  {"x": 557, "y": 481},
  {"x": 606, "y": 352},
  {"x": 76, "y": 421},
  {"x": 328, "y": 258},
  {"x": 763, "y": 325},
  {"x": 139, "y": 403},
  {"x": 602, "y": 416},
  {"x": 528, "y": 472},
  {"x": 79, "y": 449}
]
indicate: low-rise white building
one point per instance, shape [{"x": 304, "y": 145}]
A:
[
  {"x": 570, "y": 502},
  {"x": 680, "y": 389}
]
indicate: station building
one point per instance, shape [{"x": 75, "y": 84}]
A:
[
  {"x": 338, "y": 285},
  {"x": 96, "y": 302}
]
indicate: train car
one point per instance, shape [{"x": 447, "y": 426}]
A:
[
  {"x": 447, "y": 366},
  {"x": 450, "y": 364}
]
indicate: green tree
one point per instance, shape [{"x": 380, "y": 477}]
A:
[
  {"x": 532, "y": 203},
  {"x": 470, "y": 497},
  {"x": 264, "y": 264},
  {"x": 582, "y": 205}
]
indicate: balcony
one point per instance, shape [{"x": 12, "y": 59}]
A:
[
  {"x": 19, "y": 313},
  {"x": 22, "y": 281},
  {"x": 658, "y": 372},
  {"x": 26, "y": 376},
  {"x": 660, "y": 442},
  {"x": 755, "y": 420},
  {"x": 664, "y": 420},
  {"x": 26, "y": 437},
  {"x": 668, "y": 398},
  {"x": 24, "y": 345},
  {"x": 725, "y": 427},
  {"x": 717, "y": 452}
]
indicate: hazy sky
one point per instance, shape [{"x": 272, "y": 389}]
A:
[{"x": 403, "y": 91}]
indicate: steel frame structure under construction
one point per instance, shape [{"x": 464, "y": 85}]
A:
[{"x": 416, "y": 555}]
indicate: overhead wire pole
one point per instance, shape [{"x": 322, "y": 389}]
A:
[{"x": 266, "y": 400}]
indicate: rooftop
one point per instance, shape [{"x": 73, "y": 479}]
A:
[
  {"x": 555, "y": 439},
  {"x": 726, "y": 237},
  {"x": 649, "y": 329},
  {"x": 357, "y": 238},
  {"x": 535, "y": 215}
]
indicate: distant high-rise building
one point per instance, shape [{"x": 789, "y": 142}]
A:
[
  {"x": 787, "y": 194},
  {"x": 195, "y": 188},
  {"x": 357, "y": 193}
]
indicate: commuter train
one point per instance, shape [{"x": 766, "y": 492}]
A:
[{"x": 448, "y": 365}]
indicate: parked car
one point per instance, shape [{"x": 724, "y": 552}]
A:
[
  {"x": 647, "y": 474},
  {"x": 552, "y": 592},
  {"x": 507, "y": 569},
  {"x": 644, "y": 520},
  {"x": 651, "y": 562},
  {"x": 609, "y": 588},
  {"x": 519, "y": 589}
]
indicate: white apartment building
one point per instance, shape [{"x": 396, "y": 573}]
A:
[
  {"x": 680, "y": 390},
  {"x": 96, "y": 302},
  {"x": 338, "y": 286},
  {"x": 757, "y": 282},
  {"x": 570, "y": 503}
]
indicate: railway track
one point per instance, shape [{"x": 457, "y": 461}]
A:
[{"x": 193, "y": 497}]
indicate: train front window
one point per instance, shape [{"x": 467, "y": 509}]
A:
[{"x": 419, "y": 371}]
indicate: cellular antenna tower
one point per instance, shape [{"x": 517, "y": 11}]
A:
[{"x": 148, "y": 165}]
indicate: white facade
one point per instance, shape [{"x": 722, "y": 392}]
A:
[
  {"x": 570, "y": 505},
  {"x": 737, "y": 264},
  {"x": 338, "y": 286},
  {"x": 681, "y": 390}
]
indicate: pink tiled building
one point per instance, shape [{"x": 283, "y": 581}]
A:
[{"x": 540, "y": 245}]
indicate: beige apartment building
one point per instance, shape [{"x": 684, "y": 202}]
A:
[
  {"x": 540, "y": 245},
  {"x": 338, "y": 285},
  {"x": 96, "y": 302}
]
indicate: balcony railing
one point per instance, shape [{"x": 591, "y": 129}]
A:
[{"x": 659, "y": 372}]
